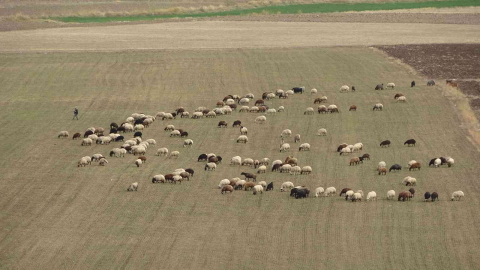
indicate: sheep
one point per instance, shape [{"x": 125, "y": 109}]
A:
[
  {"x": 409, "y": 181},
  {"x": 402, "y": 99},
  {"x": 356, "y": 197},
  {"x": 382, "y": 171},
  {"x": 138, "y": 162},
  {"x": 286, "y": 185},
  {"x": 330, "y": 191},
  {"x": 63, "y": 134},
  {"x": 285, "y": 168},
  {"x": 344, "y": 88},
  {"x": 372, "y": 195},
  {"x": 138, "y": 127},
  {"x": 404, "y": 196},
  {"x": 265, "y": 161},
  {"x": 211, "y": 155},
  {"x": 188, "y": 142},
  {"x": 450, "y": 162},
  {"x": 430, "y": 83},
  {"x": 271, "y": 112},
  {"x": 379, "y": 87},
  {"x": 236, "y": 161},
  {"x": 457, "y": 195},
  {"x": 306, "y": 170},
  {"x": 139, "y": 150},
  {"x": 391, "y": 85},
  {"x": 385, "y": 143},
  {"x": 242, "y": 139},
  {"x": 285, "y": 147},
  {"x": 270, "y": 96},
  {"x": 345, "y": 150},
  {"x": 313, "y": 91},
  {"x": 296, "y": 138},
  {"x": 210, "y": 166},
  {"x": 322, "y": 132},
  {"x": 304, "y": 147},
  {"x": 263, "y": 184},
  {"x": 223, "y": 183},
  {"x": 243, "y": 131},
  {"x": 309, "y": 111},
  {"x": 295, "y": 170},
  {"x": 281, "y": 109},
  {"x": 240, "y": 184},
  {"x": 162, "y": 152},
  {"x": 319, "y": 191},
  {"x": 197, "y": 115},
  {"x": 248, "y": 162},
  {"x": 97, "y": 157},
  {"x": 390, "y": 194},
  {"x": 244, "y": 109},
  {"x": 344, "y": 191},
  {"x": 133, "y": 187},
  {"x": 260, "y": 120},
  {"x": 86, "y": 142},
  {"x": 257, "y": 189},
  {"x": 103, "y": 161},
  {"x": 116, "y": 152},
  {"x": 434, "y": 196},
  {"x": 378, "y": 107},
  {"x": 410, "y": 163},
  {"x": 286, "y": 133},
  {"x": 332, "y": 108},
  {"x": 227, "y": 188},
  {"x": 244, "y": 101},
  {"x": 415, "y": 166},
  {"x": 174, "y": 154},
  {"x": 398, "y": 95},
  {"x": 229, "y": 102},
  {"x": 395, "y": 167},
  {"x": 291, "y": 160},
  {"x": 262, "y": 169},
  {"x": 83, "y": 162},
  {"x": 249, "y": 176},
  {"x": 438, "y": 162},
  {"x": 354, "y": 161}
]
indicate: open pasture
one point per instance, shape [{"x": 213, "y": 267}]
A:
[{"x": 56, "y": 215}]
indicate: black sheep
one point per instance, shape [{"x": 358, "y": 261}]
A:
[
  {"x": 269, "y": 186},
  {"x": 395, "y": 167}
]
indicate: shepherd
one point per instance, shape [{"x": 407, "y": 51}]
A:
[{"x": 75, "y": 113}]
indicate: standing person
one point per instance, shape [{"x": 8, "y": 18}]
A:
[{"x": 75, "y": 113}]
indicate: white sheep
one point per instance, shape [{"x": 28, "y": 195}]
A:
[
  {"x": 313, "y": 91},
  {"x": 278, "y": 161},
  {"x": 344, "y": 88},
  {"x": 159, "y": 178},
  {"x": 236, "y": 161},
  {"x": 319, "y": 191},
  {"x": 262, "y": 169},
  {"x": 97, "y": 157},
  {"x": 93, "y": 137},
  {"x": 295, "y": 170},
  {"x": 210, "y": 166},
  {"x": 151, "y": 141},
  {"x": 240, "y": 184},
  {"x": 175, "y": 133},
  {"x": 248, "y": 162},
  {"x": 174, "y": 154},
  {"x": 160, "y": 114},
  {"x": 381, "y": 164},
  {"x": 188, "y": 142},
  {"x": 254, "y": 109},
  {"x": 286, "y": 185},
  {"x": 257, "y": 189},
  {"x": 271, "y": 112},
  {"x": 378, "y": 107},
  {"x": 289, "y": 92},
  {"x": 133, "y": 187},
  {"x": 82, "y": 162},
  {"x": 138, "y": 162},
  {"x": 285, "y": 168},
  {"x": 450, "y": 162},
  {"x": 286, "y": 133},
  {"x": 242, "y": 139},
  {"x": 306, "y": 170},
  {"x": 131, "y": 142},
  {"x": 322, "y": 132},
  {"x": 356, "y": 197},
  {"x": 372, "y": 195},
  {"x": 349, "y": 194},
  {"x": 244, "y": 101},
  {"x": 138, "y": 150},
  {"x": 116, "y": 152},
  {"x": 391, "y": 85},
  {"x": 390, "y": 194},
  {"x": 86, "y": 142},
  {"x": 230, "y": 101},
  {"x": 243, "y": 131},
  {"x": 279, "y": 92},
  {"x": 263, "y": 184},
  {"x": 437, "y": 162},
  {"x": 63, "y": 134},
  {"x": 139, "y": 127},
  {"x": 131, "y": 119},
  {"x": 197, "y": 115},
  {"x": 260, "y": 119},
  {"x": 330, "y": 191},
  {"x": 211, "y": 114},
  {"x": 285, "y": 147},
  {"x": 250, "y": 96},
  {"x": 264, "y": 161},
  {"x": 345, "y": 150},
  {"x": 309, "y": 111},
  {"x": 304, "y": 147},
  {"x": 162, "y": 152},
  {"x": 357, "y": 147},
  {"x": 223, "y": 183},
  {"x": 211, "y": 155},
  {"x": 270, "y": 96},
  {"x": 168, "y": 116},
  {"x": 457, "y": 195},
  {"x": 281, "y": 109},
  {"x": 402, "y": 99},
  {"x": 103, "y": 161},
  {"x": 244, "y": 109}
]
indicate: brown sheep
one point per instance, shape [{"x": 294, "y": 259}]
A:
[
  {"x": 169, "y": 178},
  {"x": 344, "y": 191},
  {"x": 415, "y": 166},
  {"x": 213, "y": 159},
  {"x": 249, "y": 186},
  {"x": 220, "y": 104},
  {"x": 76, "y": 136},
  {"x": 322, "y": 110},
  {"x": 404, "y": 195},
  {"x": 185, "y": 175},
  {"x": 366, "y": 156},
  {"x": 143, "y": 158},
  {"x": 398, "y": 95},
  {"x": 354, "y": 161},
  {"x": 258, "y": 102},
  {"x": 382, "y": 171},
  {"x": 317, "y": 101},
  {"x": 249, "y": 176},
  {"x": 412, "y": 191},
  {"x": 227, "y": 188},
  {"x": 222, "y": 124},
  {"x": 353, "y": 108}
]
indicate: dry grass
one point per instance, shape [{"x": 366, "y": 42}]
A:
[{"x": 55, "y": 215}]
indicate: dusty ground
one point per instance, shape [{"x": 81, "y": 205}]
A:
[{"x": 219, "y": 35}]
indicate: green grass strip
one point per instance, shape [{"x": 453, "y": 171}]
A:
[{"x": 285, "y": 9}]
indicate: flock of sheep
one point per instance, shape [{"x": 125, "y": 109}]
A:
[{"x": 137, "y": 146}]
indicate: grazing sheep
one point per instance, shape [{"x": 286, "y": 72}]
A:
[
  {"x": 304, "y": 147},
  {"x": 430, "y": 83},
  {"x": 412, "y": 191},
  {"x": 227, "y": 188},
  {"x": 211, "y": 114},
  {"x": 197, "y": 115},
  {"x": 102, "y": 162},
  {"x": 249, "y": 176},
  {"x": 86, "y": 142},
  {"x": 313, "y": 91},
  {"x": 248, "y": 186},
  {"x": 391, "y": 85},
  {"x": 378, "y": 107},
  {"x": 237, "y": 123},
  {"x": 309, "y": 111},
  {"x": 260, "y": 120},
  {"x": 244, "y": 109},
  {"x": 356, "y": 197},
  {"x": 159, "y": 178},
  {"x": 306, "y": 170},
  {"x": 139, "y": 127},
  {"x": 330, "y": 191},
  {"x": 296, "y": 138},
  {"x": 97, "y": 157},
  {"x": 224, "y": 182},
  {"x": 175, "y": 133},
  {"x": 402, "y": 99},
  {"x": 427, "y": 196},
  {"x": 76, "y": 136},
  {"x": 349, "y": 194},
  {"x": 265, "y": 161},
  {"x": 398, "y": 95},
  {"x": 285, "y": 147},
  {"x": 83, "y": 162},
  {"x": 354, "y": 161},
  {"x": 332, "y": 108},
  {"x": 242, "y": 139},
  {"x": 395, "y": 167},
  {"x": 262, "y": 169},
  {"x": 438, "y": 162},
  {"x": 409, "y": 181},
  {"x": 63, "y": 134},
  {"x": 162, "y": 152},
  {"x": 390, "y": 194},
  {"x": 345, "y": 150},
  {"x": 243, "y": 131},
  {"x": 210, "y": 166},
  {"x": 133, "y": 187},
  {"x": 404, "y": 196},
  {"x": 353, "y": 108},
  {"x": 281, "y": 109},
  {"x": 188, "y": 142},
  {"x": 240, "y": 184},
  {"x": 372, "y": 195},
  {"x": 385, "y": 143},
  {"x": 174, "y": 154},
  {"x": 410, "y": 163},
  {"x": 295, "y": 170},
  {"x": 236, "y": 161},
  {"x": 319, "y": 191},
  {"x": 379, "y": 87},
  {"x": 450, "y": 162},
  {"x": 263, "y": 184},
  {"x": 248, "y": 162},
  {"x": 138, "y": 162},
  {"x": 286, "y": 133},
  {"x": 257, "y": 189},
  {"x": 286, "y": 185},
  {"x": 382, "y": 171},
  {"x": 344, "y": 191},
  {"x": 415, "y": 166},
  {"x": 357, "y": 147},
  {"x": 412, "y": 84},
  {"x": 244, "y": 101},
  {"x": 139, "y": 150},
  {"x": 322, "y": 132},
  {"x": 410, "y": 142},
  {"x": 271, "y": 112},
  {"x": 457, "y": 195},
  {"x": 434, "y": 196},
  {"x": 344, "y": 88}
]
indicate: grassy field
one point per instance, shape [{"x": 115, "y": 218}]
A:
[
  {"x": 55, "y": 215},
  {"x": 278, "y": 9}
]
